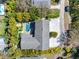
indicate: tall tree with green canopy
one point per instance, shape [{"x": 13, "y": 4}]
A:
[{"x": 33, "y": 11}]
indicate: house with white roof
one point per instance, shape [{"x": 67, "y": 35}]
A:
[{"x": 41, "y": 3}]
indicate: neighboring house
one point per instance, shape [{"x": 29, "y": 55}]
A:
[
  {"x": 23, "y": 5},
  {"x": 40, "y": 41},
  {"x": 41, "y": 3},
  {"x": 2, "y": 1},
  {"x": 2, "y": 44},
  {"x": 32, "y": 58}
]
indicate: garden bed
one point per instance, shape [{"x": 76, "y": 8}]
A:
[{"x": 53, "y": 34}]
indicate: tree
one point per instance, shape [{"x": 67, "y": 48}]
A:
[
  {"x": 12, "y": 26},
  {"x": 26, "y": 16},
  {"x": 10, "y": 5},
  {"x": 74, "y": 12},
  {"x": 17, "y": 53},
  {"x": 11, "y": 33},
  {"x": 11, "y": 51},
  {"x": 19, "y": 16},
  {"x": 33, "y": 11},
  {"x": 75, "y": 54},
  {"x": 13, "y": 38},
  {"x": 74, "y": 4}
]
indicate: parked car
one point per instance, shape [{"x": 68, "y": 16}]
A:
[{"x": 67, "y": 8}]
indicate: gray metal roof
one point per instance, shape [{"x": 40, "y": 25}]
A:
[
  {"x": 28, "y": 42},
  {"x": 42, "y": 33},
  {"x": 41, "y": 3}
]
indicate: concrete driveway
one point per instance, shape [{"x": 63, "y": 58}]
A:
[
  {"x": 54, "y": 26},
  {"x": 57, "y": 24}
]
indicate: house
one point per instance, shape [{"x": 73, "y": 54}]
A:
[
  {"x": 41, "y": 3},
  {"x": 2, "y": 44},
  {"x": 40, "y": 40},
  {"x": 33, "y": 57},
  {"x": 2, "y": 1},
  {"x": 23, "y": 5}
]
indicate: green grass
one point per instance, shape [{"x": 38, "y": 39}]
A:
[
  {"x": 49, "y": 52},
  {"x": 2, "y": 27},
  {"x": 53, "y": 13}
]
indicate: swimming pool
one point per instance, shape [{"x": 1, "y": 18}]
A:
[
  {"x": 27, "y": 27},
  {"x": 2, "y": 9}
]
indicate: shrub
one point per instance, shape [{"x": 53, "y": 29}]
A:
[
  {"x": 54, "y": 2},
  {"x": 48, "y": 52},
  {"x": 53, "y": 34}
]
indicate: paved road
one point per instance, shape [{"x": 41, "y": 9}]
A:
[
  {"x": 62, "y": 15},
  {"x": 60, "y": 6}
]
